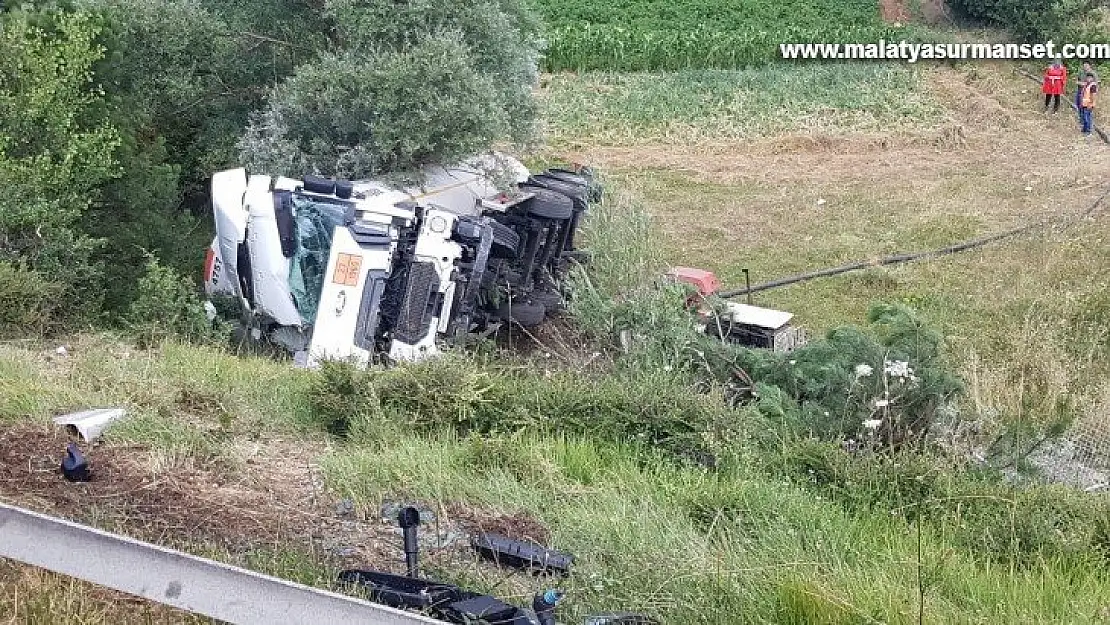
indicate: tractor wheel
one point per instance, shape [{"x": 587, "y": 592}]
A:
[
  {"x": 524, "y": 314},
  {"x": 548, "y": 204}
]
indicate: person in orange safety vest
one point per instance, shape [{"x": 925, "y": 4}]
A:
[
  {"x": 1055, "y": 81},
  {"x": 1085, "y": 102}
]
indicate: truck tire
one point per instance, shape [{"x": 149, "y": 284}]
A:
[
  {"x": 525, "y": 314},
  {"x": 594, "y": 190},
  {"x": 550, "y": 300},
  {"x": 567, "y": 176},
  {"x": 505, "y": 240},
  {"x": 576, "y": 193},
  {"x": 548, "y": 204}
]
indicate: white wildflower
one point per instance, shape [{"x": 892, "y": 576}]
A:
[
  {"x": 793, "y": 362},
  {"x": 872, "y": 424},
  {"x": 898, "y": 369},
  {"x": 863, "y": 371}
]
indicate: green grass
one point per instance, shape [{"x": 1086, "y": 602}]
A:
[
  {"x": 697, "y": 547},
  {"x": 699, "y": 34},
  {"x": 719, "y": 106},
  {"x": 793, "y": 533}
]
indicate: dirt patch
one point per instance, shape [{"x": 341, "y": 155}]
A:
[
  {"x": 268, "y": 501},
  {"x": 932, "y": 12},
  {"x": 185, "y": 503},
  {"x": 557, "y": 344},
  {"x": 894, "y": 11},
  {"x": 518, "y": 526}
]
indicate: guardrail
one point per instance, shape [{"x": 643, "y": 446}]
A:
[{"x": 180, "y": 580}]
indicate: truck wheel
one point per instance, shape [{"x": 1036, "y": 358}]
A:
[
  {"x": 549, "y": 204},
  {"x": 585, "y": 175},
  {"x": 505, "y": 240},
  {"x": 551, "y": 300},
  {"x": 576, "y": 193},
  {"x": 525, "y": 314},
  {"x": 567, "y": 176}
]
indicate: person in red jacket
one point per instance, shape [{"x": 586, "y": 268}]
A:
[{"x": 1055, "y": 80}]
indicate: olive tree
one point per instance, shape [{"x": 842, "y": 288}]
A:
[{"x": 406, "y": 84}]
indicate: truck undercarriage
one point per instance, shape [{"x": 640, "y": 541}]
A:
[{"x": 369, "y": 271}]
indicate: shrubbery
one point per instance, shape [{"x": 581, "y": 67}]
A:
[
  {"x": 457, "y": 394},
  {"x": 53, "y": 159},
  {"x": 1034, "y": 21},
  {"x": 430, "y": 82},
  {"x": 166, "y": 306}
]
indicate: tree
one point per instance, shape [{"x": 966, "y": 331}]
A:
[
  {"x": 180, "y": 78},
  {"x": 52, "y": 160},
  {"x": 424, "y": 81}
]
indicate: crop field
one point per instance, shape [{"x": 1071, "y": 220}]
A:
[{"x": 633, "y": 35}]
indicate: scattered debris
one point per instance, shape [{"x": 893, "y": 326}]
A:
[
  {"x": 75, "y": 467},
  {"x": 90, "y": 424},
  {"x": 390, "y": 510},
  {"x": 544, "y": 603},
  {"x": 519, "y": 525},
  {"x": 520, "y": 554},
  {"x": 198, "y": 504},
  {"x": 482, "y": 608},
  {"x": 345, "y": 507},
  {"x": 409, "y": 520},
  {"x": 400, "y": 591}
]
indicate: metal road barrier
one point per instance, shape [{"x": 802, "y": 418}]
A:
[{"x": 178, "y": 579}]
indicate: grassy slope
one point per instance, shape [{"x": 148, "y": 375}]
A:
[
  {"x": 946, "y": 155},
  {"x": 695, "y": 547}
]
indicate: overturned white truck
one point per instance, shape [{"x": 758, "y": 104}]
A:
[{"x": 371, "y": 271}]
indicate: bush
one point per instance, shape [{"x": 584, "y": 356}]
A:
[
  {"x": 54, "y": 155},
  {"x": 353, "y": 116},
  {"x": 27, "y": 301},
  {"x": 167, "y": 306},
  {"x": 342, "y": 396},
  {"x": 456, "y": 394},
  {"x": 433, "y": 82},
  {"x": 1033, "y": 21}
]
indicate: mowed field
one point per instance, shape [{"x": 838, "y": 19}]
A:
[{"x": 788, "y": 170}]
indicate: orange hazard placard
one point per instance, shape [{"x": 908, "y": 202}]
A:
[{"x": 346, "y": 269}]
